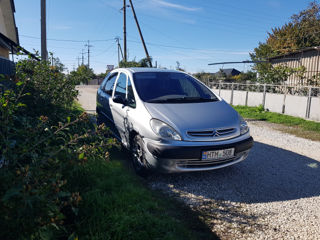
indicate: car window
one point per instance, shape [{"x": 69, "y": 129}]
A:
[
  {"x": 170, "y": 87},
  {"x": 120, "y": 89},
  {"x": 130, "y": 95},
  {"x": 104, "y": 81},
  {"x": 110, "y": 83}
]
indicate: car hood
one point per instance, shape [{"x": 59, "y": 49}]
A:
[{"x": 185, "y": 117}]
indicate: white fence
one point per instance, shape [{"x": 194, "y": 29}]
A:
[{"x": 299, "y": 101}]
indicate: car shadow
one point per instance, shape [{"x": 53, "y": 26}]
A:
[{"x": 268, "y": 174}]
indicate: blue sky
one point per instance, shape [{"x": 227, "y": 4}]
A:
[{"x": 193, "y": 32}]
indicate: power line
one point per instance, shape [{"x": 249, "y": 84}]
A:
[
  {"x": 178, "y": 47},
  {"x": 68, "y": 40},
  {"x": 104, "y": 51}
]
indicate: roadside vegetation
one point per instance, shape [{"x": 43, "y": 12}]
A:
[
  {"x": 58, "y": 178},
  {"x": 294, "y": 125}
]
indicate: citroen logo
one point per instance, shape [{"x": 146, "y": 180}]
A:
[{"x": 215, "y": 133}]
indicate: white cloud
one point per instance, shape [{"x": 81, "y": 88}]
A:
[{"x": 175, "y": 6}]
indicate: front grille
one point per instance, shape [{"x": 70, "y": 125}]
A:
[
  {"x": 211, "y": 133},
  {"x": 202, "y": 163}
]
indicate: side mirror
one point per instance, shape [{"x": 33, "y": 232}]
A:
[{"x": 119, "y": 99}]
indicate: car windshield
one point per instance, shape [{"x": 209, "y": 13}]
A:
[{"x": 170, "y": 87}]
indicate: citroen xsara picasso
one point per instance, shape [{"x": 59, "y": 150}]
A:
[{"x": 170, "y": 121}]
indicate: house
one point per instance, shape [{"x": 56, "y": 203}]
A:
[
  {"x": 9, "y": 40},
  {"x": 229, "y": 72},
  {"x": 307, "y": 57},
  {"x": 226, "y": 74}
]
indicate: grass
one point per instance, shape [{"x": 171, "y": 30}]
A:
[
  {"x": 116, "y": 204},
  {"x": 294, "y": 125}
]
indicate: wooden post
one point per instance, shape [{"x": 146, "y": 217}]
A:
[
  {"x": 309, "y": 103},
  {"x": 264, "y": 95},
  {"x": 231, "y": 100}
]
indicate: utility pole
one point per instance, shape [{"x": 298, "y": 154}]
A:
[
  {"x": 89, "y": 46},
  {"x": 78, "y": 58},
  {"x": 82, "y": 53},
  {"x": 44, "y": 53},
  {"x": 140, "y": 33},
  {"x": 119, "y": 49},
  {"x": 125, "y": 30}
]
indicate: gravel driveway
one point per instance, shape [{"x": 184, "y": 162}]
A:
[{"x": 274, "y": 194}]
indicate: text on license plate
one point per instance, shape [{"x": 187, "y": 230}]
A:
[{"x": 218, "y": 154}]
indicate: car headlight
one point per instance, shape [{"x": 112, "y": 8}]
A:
[
  {"x": 164, "y": 130},
  {"x": 244, "y": 128}
]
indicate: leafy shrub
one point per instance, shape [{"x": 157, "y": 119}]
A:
[{"x": 41, "y": 140}]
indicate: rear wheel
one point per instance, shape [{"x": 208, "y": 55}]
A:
[{"x": 139, "y": 162}]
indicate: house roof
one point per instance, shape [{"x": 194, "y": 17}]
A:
[
  {"x": 315, "y": 48},
  {"x": 14, "y": 46},
  {"x": 229, "y": 72}
]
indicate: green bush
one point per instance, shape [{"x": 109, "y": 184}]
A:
[{"x": 41, "y": 140}]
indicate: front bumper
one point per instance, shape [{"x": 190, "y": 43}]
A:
[{"x": 183, "y": 156}]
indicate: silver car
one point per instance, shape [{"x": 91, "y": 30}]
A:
[{"x": 170, "y": 121}]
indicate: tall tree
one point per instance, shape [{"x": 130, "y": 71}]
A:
[{"x": 303, "y": 30}]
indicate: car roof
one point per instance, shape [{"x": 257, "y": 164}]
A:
[{"x": 141, "y": 69}]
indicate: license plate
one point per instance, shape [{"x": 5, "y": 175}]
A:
[{"x": 218, "y": 154}]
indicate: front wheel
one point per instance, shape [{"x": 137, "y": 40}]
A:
[{"x": 139, "y": 161}]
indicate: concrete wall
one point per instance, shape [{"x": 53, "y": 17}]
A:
[
  {"x": 294, "y": 105},
  {"x": 274, "y": 102},
  {"x": 239, "y": 97},
  {"x": 315, "y": 109},
  {"x": 255, "y": 99},
  {"x": 226, "y": 95}
]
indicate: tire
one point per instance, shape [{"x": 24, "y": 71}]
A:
[{"x": 139, "y": 161}]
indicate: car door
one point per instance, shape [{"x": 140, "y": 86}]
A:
[{"x": 120, "y": 111}]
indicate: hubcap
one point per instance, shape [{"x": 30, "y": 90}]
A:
[{"x": 137, "y": 155}]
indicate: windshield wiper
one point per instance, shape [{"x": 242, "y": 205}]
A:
[{"x": 183, "y": 100}]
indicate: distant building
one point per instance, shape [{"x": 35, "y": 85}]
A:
[
  {"x": 307, "y": 57},
  {"x": 229, "y": 72},
  {"x": 9, "y": 40},
  {"x": 226, "y": 74}
]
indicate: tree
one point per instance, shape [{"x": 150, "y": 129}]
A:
[
  {"x": 281, "y": 73},
  {"x": 245, "y": 76},
  {"x": 83, "y": 74},
  {"x": 302, "y": 31},
  {"x": 144, "y": 62},
  {"x": 221, "y": 75},
  {"x": 205, "y": 76}
]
